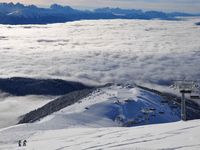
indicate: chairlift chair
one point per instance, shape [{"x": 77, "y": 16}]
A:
[
  {"x": 195, "y": 95},
  {"x": 186, "y": 91}
]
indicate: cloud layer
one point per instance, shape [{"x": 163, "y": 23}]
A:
[
  {"x": 12, "y": 107},
  {"x": 98, "y": 52}
]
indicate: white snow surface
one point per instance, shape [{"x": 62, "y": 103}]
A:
[
  {"x": 92, "y": 124},
  {"x": 102, "y": 51},
  {"x": 179, "y": 135},
  {"x": 105, "y": 107}
]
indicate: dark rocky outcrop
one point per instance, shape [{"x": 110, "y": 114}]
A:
[
  {"x": 28, "y": 86},
  {"x": 55, "y": 106}
]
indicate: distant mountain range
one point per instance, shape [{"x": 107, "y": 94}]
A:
[{"x": 18, "y": 13}]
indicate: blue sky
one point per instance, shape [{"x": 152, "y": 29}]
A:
[{"x": 163, "y": 5}]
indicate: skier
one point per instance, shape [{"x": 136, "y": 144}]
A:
[
  {"x": 19, "y": 143},
  {"x": 24, "y": 143}
]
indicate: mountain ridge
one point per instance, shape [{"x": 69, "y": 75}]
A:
[
  {"x": 18, "y": 13},
  {"x": 114, "y": 105},
  {"x": 21, "y": 86}
]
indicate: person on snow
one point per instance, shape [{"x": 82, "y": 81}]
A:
[
  {"x": 19, "y": 143},
  {"x": 24, "y": 143}
]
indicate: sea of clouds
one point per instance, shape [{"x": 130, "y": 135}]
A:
[
  {"x": 12, "y": 107},
  {"x": 96, "y": 52},
  {"x": 102, "y": 51}
]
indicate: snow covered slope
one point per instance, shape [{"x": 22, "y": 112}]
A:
[
  {"x": 179, "y": 135},
  {"x": 116, "y": 105},
  {"x": 94, "y": 123}
]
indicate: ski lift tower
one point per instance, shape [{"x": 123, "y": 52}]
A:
[
  {"x": 147, "y": 112},
  {"x": 184, "y": 87}
]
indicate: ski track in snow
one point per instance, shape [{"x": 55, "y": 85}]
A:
[{"x": 179, "y": 135}]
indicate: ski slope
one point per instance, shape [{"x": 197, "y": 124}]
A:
[
  {"x": 96, "y": 122},
  {"x": 179, "y": 135},
  {"x": 169, "y": 136}
]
